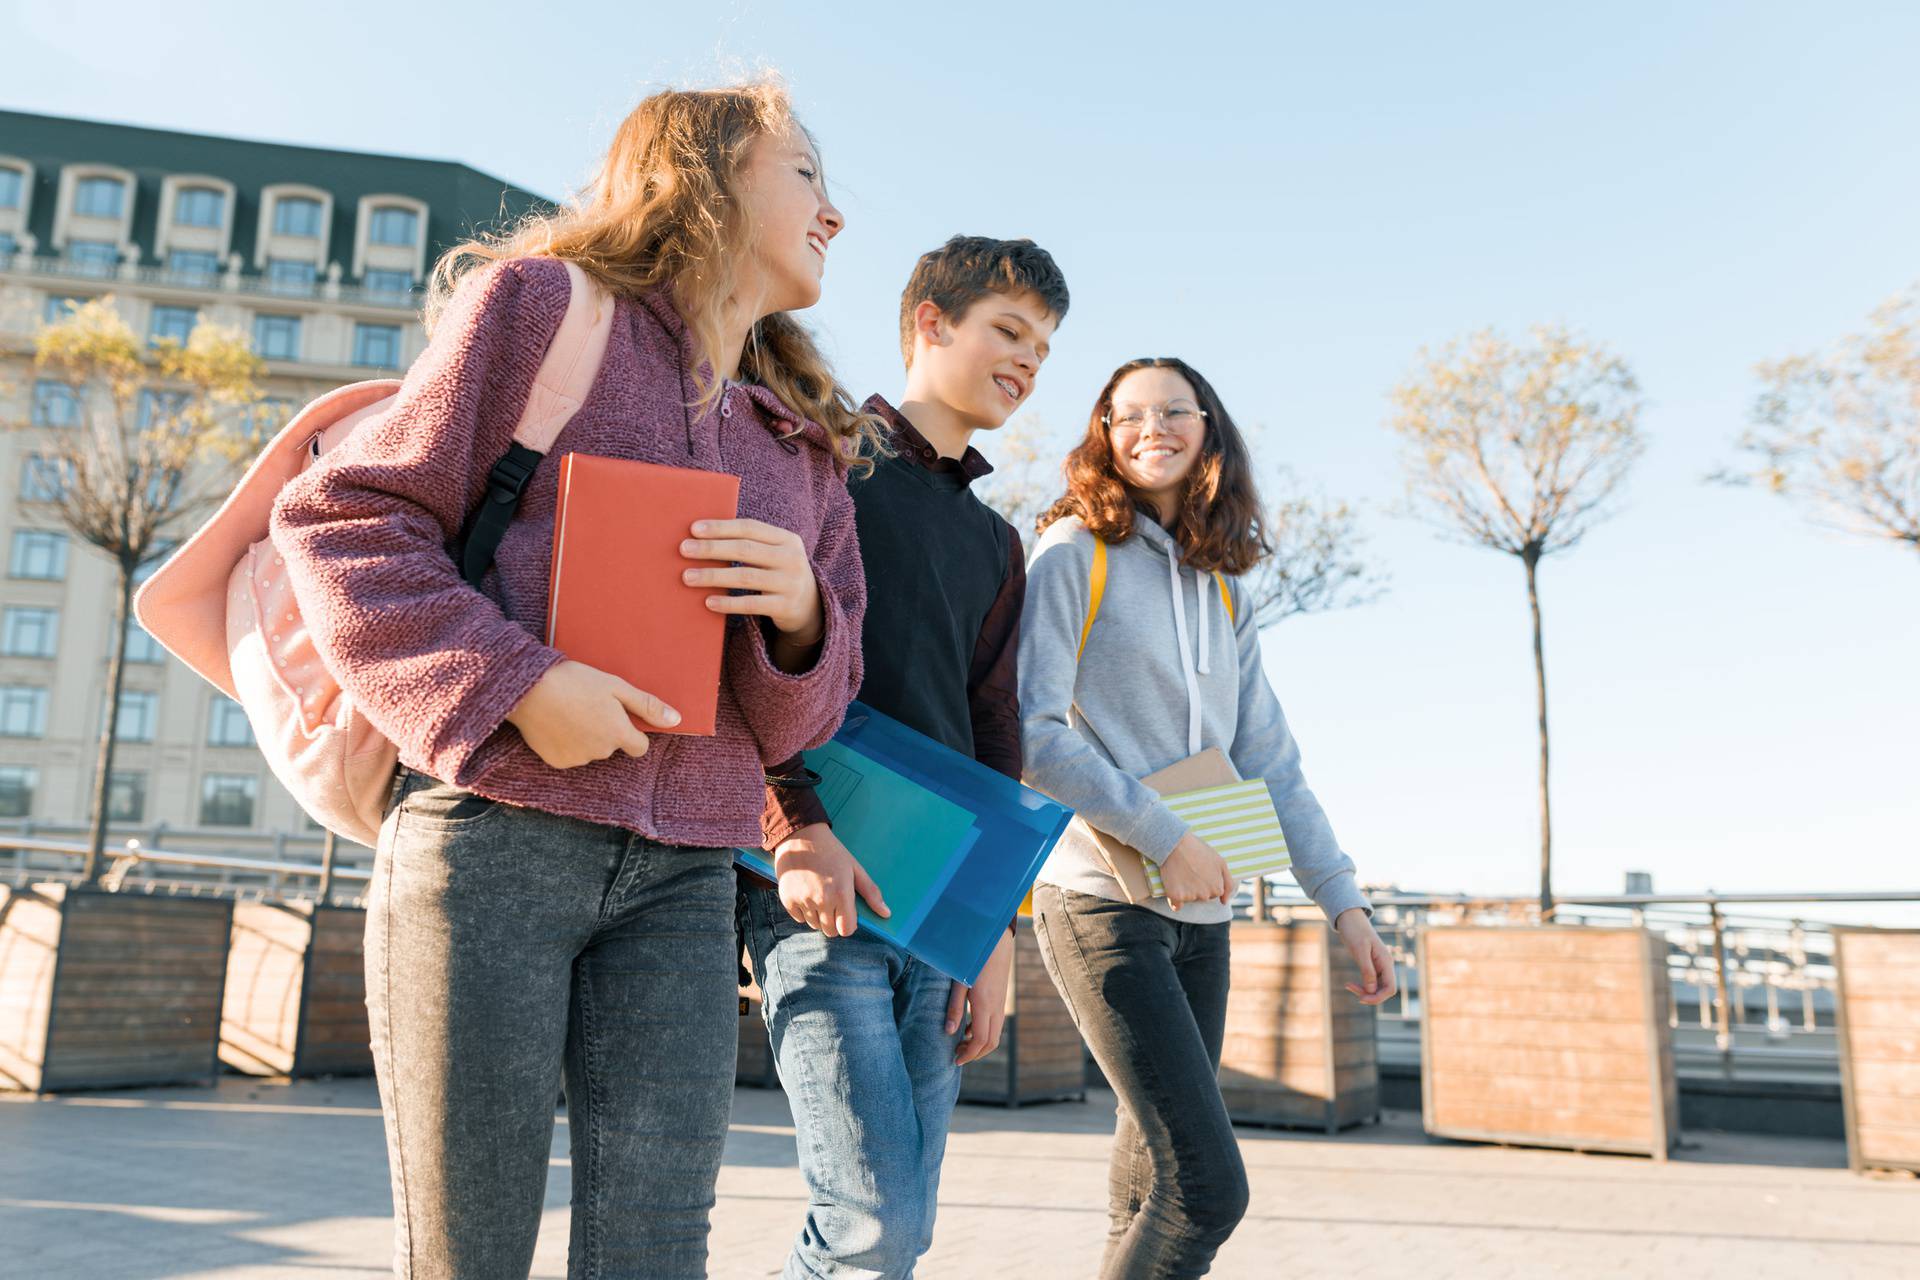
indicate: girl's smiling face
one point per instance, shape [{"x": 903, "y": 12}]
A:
[
  {"x": 1157, "y": 430},
  {"x": 785, "y": 197}
]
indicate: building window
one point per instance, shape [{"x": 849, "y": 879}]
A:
[
  {"x": 162, "y": 406},
  {"x": 93, "y": 257},
  {"x": 265, "y": 417},
  {"x": 38, "y": 553},
  {"x": 296, "y": 216},
  {"x": 142, "y": 647},
  {"x": 193, "y": 266},
  {"x": 126, "y": 797},
  {"x": 199, "y": 207},
  {"x": 23, "y": 711},
  {"x": 226, "y": 799},
  {"x": 61, "y": 306},
  {"x": 17, "y": 782},
  {"x": 394, "y": 283},
  {"x": 99, "y": 197},
  {"x": 44, "y": 479},
  {"x": 277, "y": 337},
  {"x": 54, "y": 404},
  {"x": 171, "y": 324},
  {"x": 29, "y": 633},
  {"x": 8, "y": 246},
  {"x": 284, "y": 275},
  {"x": 377, "y": 345},
  {"x": 12, "y": 185},
  {"x": 139, "y": 715},
  {"x": 227, "y": 724},
  {"x": 393, "y": 226}
]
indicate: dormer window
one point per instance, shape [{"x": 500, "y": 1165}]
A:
[
  {"x": 199, "y": 207},
  {"x": 13, "y": 188},
  {"x": 296, "y": 216},
  {"x": 99, "y": 197},
  {"x": 393, "y": 226}
]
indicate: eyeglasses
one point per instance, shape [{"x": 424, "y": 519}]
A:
[{"x": 1174, "y": 417}]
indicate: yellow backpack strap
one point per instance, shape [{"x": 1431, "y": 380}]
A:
[
  {"x": 1226, "y": 596},
  {"x": 1096, "y": 588}
]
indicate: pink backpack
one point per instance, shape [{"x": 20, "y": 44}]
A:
[{"x": 223, "y": 603}]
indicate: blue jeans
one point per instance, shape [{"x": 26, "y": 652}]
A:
[
  {"x": 509, "y": 951},
  {"x": 860, "y": 1040}
]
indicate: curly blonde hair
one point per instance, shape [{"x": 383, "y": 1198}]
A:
[{"x": 663, "y": 209}]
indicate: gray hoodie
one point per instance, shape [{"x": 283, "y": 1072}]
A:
[{"x": 1166, "y": 673}]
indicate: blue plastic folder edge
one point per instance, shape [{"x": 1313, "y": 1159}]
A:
[{"x": 1015, "y": 821}]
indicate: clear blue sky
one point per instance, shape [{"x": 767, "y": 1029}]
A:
[{"x": 1295, "y": 201}]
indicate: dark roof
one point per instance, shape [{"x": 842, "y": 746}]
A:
[{"x": 459, "y": 199}]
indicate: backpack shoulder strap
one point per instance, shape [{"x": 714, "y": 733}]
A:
[
  {"x": 560, "y": 386},
  {"x": 1096, "y": 588},
  {"x": 1226, "y": 596}
]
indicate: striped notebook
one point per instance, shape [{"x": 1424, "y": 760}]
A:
[{"x": 1238, "y": 821}]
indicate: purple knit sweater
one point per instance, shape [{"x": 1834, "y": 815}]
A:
[{"x": 436, "y": 666}]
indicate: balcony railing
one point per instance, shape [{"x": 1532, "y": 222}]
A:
[{"x": 222, "y": 282}]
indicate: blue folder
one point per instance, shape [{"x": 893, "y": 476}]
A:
[{"x": 953, "y": 845}]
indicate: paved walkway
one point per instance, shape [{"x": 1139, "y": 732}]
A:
[{"x": 254, "y": 1180}]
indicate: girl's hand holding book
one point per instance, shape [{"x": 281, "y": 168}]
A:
[
  {"x": 1193, "y": 872},
  {"x": 769, "y": 564},
  {"x": 819, "y": 877},
  {"x": 1375, "y": 962},
  {"x": 577, "y": 714}
]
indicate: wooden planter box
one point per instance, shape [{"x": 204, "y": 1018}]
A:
[
  {"x": 296, "y": 1002},
  {"x": 1879, "y": 1022},
  {"x": 1552, "y": 1035},
  {"x": 1040, "y": 1057},
  {"x": 755, "y": 1066},
  {"x": 1300, "y": 1051},
  {"x": 104, "y": 989}
]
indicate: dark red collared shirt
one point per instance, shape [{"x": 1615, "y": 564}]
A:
[{"x": 946, "y": 578}]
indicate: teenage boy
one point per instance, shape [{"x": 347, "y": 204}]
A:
[{"x": 869, "y": 1041}]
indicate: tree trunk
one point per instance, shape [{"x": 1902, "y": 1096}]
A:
[
  {"x": 110, "y": 731},
  {"x": 1532, "y": 560}
]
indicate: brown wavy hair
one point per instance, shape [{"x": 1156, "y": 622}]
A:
[
  {"x": 663, "y": 209},
  {"x": 1219, "y": 526}
]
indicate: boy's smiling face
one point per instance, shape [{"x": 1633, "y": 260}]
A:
[{"x": 981, "y": 366}]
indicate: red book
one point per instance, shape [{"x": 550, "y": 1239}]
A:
[{"x": 617, "y": 601}]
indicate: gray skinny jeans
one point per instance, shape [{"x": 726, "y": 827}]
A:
[
  {"x": 1149, "y": 995},
  {"x": 509, "y": 951}
]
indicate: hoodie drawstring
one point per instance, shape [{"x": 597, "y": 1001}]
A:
[{"x": 1186, "y": 653}]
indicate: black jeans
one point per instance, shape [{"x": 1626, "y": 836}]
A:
[
  {"x": 1150, "y": 996},
  {"x": 509, "y": 950}
]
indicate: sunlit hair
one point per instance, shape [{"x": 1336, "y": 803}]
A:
[
  {"x": 1219, "y": 524},
  {"x": 664, "y": 209}
]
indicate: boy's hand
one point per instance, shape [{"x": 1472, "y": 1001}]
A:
[
  {"x": 989, "y": 1000},
  {"x": 768, "y": 562},
  {"x": 818, "y": 881},
  {"x": 1370, "y": 954},
  {"x": 576, "y": 714},
  {"x": 1193, "y": 872}
]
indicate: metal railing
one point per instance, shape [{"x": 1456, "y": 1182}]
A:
[
  {"x": 1752, "y": 995},
  {"x": 125, "y": 862},
  {"x": 320, "y": 290}
]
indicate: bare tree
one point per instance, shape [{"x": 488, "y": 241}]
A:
[
  {"x": 1518, "y": 448},
  {"x": 160, "y": 433},
  {"x": 1317, "y": 564},
  {"x": 1839, "y": 433}
]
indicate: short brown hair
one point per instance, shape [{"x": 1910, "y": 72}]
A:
[
  {"x": 1219, "y": 525},
  {"x": 967, "y": 268}
]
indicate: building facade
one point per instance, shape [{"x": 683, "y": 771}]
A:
[{"x": 318, "y": 256}]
